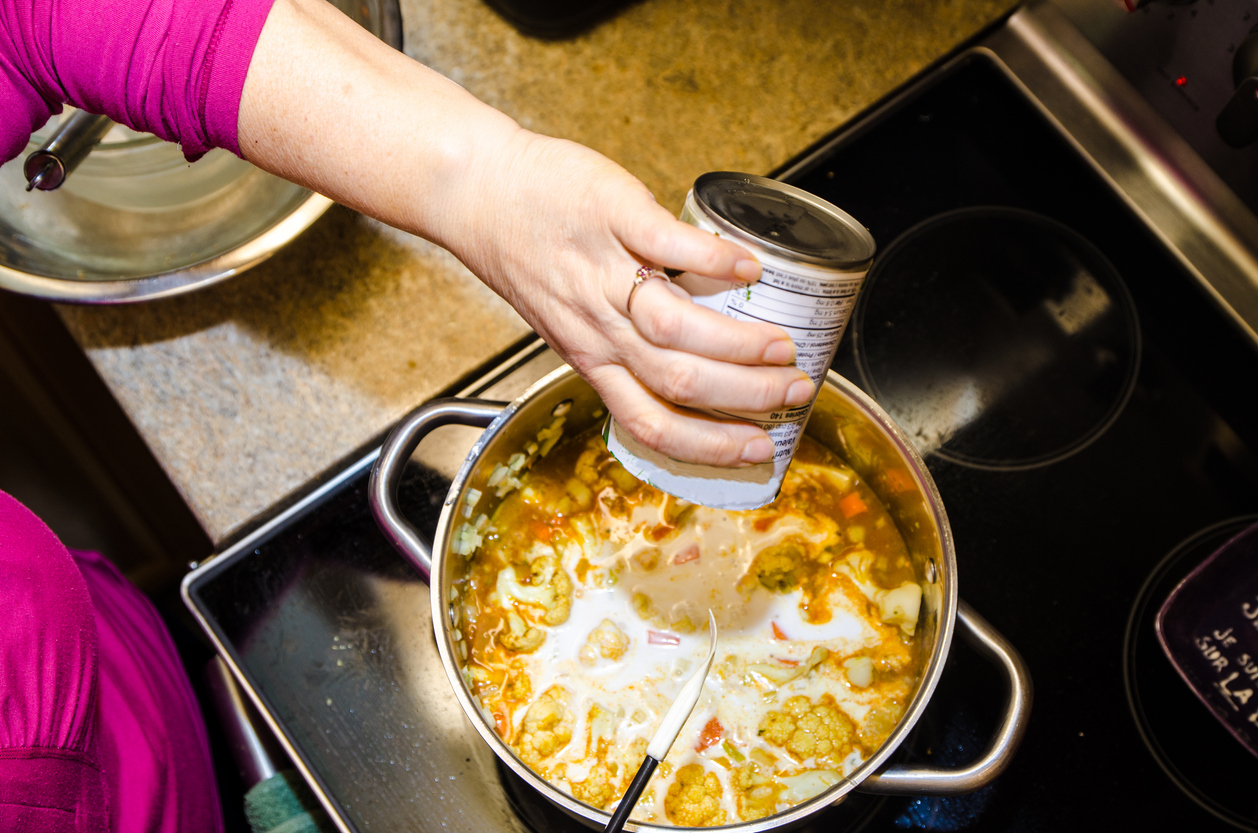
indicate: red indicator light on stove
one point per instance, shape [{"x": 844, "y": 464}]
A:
[{"x": 1181, "y": 81}]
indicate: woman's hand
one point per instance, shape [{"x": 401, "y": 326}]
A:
[
  {"x": 560, "y": 231},
  {"x": 555, "y": 228}
]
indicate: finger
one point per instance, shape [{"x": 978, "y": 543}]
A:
[
  {"x": 666, "y": 317},
  {"x": 660, "y": 238},
  {"x": 683, "y": 435},
  {"x": 698, "y": 382}
]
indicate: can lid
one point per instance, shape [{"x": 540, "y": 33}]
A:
[{"x": 785, "y": 220}]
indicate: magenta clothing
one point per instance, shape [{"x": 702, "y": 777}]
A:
[
  {"x": 99, "y": 728},
  {"x": 175, "y": 68}
]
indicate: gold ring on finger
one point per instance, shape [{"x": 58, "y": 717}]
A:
[{"x": 644, "y": 274}]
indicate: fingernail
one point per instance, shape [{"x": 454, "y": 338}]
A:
[
  {"x": 780, "y": 352},
  {"x": 758, "y": 450},
  {"x": 747, "y": 270},
  {"x": 799, "y": 393}
]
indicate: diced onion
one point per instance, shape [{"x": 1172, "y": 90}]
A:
[
  {"x": 495, "y": 477},
  {"x": 466, "y": 540}
]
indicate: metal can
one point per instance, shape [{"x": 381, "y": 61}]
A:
[{"x": 814, "y": 258}]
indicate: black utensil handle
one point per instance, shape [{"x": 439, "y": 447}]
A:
[{"x": 630, "y": 799}]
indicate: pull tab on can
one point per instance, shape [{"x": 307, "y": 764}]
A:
[{"x": 814, "y": 258}]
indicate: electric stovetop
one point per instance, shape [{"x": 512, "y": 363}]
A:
[{"x": 1081, "y": 402}]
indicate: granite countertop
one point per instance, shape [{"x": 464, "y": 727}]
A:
[{"x": 250, "y": 390}]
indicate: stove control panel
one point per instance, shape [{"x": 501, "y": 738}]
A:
[{"x": 1196, "y": 63}]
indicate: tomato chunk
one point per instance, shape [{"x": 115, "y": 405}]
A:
[
  {"x": 690, "y": 553},
  {"x": 712, "y": 731}
]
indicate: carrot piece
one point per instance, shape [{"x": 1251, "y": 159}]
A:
[
  {"x": 777, "y": 632},
  {"x": 500, "y": 725},
  {"x": 852, "y": 505},
  {"x": 541, "y": 531},
  {"x": 899, "y": 480},
  {"x": 712, "y": 731}
]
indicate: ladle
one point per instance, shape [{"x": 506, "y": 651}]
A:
[{"x": 48, "y": 167}]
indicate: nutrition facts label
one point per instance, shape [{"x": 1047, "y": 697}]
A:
[
  {"x": 805, "y": 288},
  {"x": 813, "y": 311}
]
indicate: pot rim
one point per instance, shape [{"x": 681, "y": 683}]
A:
[{"x": 930, "y": 675}]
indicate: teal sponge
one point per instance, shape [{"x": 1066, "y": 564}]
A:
[{"x": 284, "y": 804}]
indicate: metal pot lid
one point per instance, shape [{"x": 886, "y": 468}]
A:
[{"x": 784, "y": 220}]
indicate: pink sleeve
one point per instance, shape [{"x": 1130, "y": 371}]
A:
[
  {"x": 50, "y": 775},
  {"x": 175, "y": 68}
]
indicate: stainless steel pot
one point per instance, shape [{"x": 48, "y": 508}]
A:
[{"x": 845, "y": 420}]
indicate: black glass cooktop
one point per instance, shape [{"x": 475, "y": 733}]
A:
[{"x": 1083, "y": 407}]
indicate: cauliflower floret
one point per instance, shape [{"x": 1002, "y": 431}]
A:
[
  {"x": 586, "y": 468},
  {"x": 776, "y": 568},
  {"x": 549, "y": 588},
  {"x": 518, "y": 687},
  {"x": 598, "y": 789},
  {"x": 807, "y": 730},
  {"x": 606, "y": 641},
  {"x": 520, "y": 636},
  {"x": 694, "y": 798},
  {"x": 601, "y": 786},
  {"x": 756, "y": 793},
  {"x": 547, "y": 728},
  {"x": 879, "y": 723}
]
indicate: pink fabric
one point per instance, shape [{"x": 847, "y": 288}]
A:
[
  {"x": 50, "y": 775},
  {"x": 175, "y": 68},
  {"x": 99, "y": 728}
]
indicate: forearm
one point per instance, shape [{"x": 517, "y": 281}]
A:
[
  {"x": 325, "y": 105},
  {"x": 555, "y": 228}
]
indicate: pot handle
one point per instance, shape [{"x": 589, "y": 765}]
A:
[
  {"x": 386, "y": 474},
  {"x": 924, "y": 779}
]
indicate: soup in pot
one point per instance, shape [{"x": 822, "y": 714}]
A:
[{"x": 581, "y": 605}]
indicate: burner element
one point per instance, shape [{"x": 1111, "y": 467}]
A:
[
  {"x": 1192, "y": 747},
  {"x": 999, "y": 339}
]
